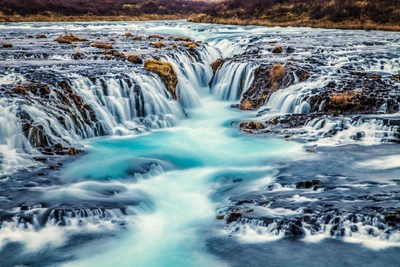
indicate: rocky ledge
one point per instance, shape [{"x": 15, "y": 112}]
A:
[{"x": 293, "y": 89}]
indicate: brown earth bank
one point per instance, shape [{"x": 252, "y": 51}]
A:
[
  {"x": 342, "y": 14},
  {"x": 347, "y": 25},
  {"x": 339, "y": 14}
]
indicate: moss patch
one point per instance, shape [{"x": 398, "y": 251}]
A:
[
  {"x": 69, "y": 39},
  {"x": 166, "y": 73}
]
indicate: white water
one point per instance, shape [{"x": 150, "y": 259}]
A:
[
  {"x": 232, "y": 80},
  {"x": 203, "y": 149}
]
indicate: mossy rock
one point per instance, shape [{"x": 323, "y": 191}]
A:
[
  {"x": 217, "y": 64},
  {"x": 166, "y": 73}
]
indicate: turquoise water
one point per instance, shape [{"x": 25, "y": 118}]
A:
[{"x": 194, "y": 156}]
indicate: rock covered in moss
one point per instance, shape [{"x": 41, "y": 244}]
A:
[{"x": 166, "y": 73}]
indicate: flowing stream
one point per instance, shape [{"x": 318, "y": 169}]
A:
[{"x": 196, "y": 154}]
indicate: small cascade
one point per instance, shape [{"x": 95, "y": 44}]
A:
[
  {"x": 293, "y": 99},
  {"x": 125, "y": 105},
  {"x": 41, "y": 227},
  {"x": 232, "y": 79},
  {"x": 371, "y": 231},
  {"x": 367, "y": 130},
  {"x": 194, "y": 73},
  {"x": 13, "y": 143}
]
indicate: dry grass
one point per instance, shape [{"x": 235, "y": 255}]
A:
[
  {"x": 246, "y": 105},
  {"x": 138, "y": 38},
  {"x": 69, "y": 39},
  {"x": 343, "y": 100},
  {"x": 102, "y": 45},
  {"x": 181, "y": 39},
  {"x": 192, "y": 47},
  {"x": 348, "y": 25},
  {"x": 56, "y": 17},
  {"x": 159, "y": 45},
  {"x": 128, "y": 34},
  {"x": 277, "y": 73},
  {"x": 156, "y": 36}
]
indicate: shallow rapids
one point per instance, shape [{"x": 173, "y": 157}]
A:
[{"x": 195, "y": 156}]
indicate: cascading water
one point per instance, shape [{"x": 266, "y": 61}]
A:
[
  {"x": 193, "y": 74},
  {"x": 231, "y": 80}
]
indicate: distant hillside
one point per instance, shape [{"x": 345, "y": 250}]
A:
[
  {"x": 351, "y": 14},
  {"x": 20, "y": 9},
  {"x": 383, "y": 14}
]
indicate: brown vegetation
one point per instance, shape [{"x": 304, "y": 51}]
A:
[
  {"x": 346, "y": 14},
  {"x": 69, "y": 39},
  {"x": 135, "y": 59},
  {"x": 166, "y": 73},
  {"x": 155, "y": 36},
  {"x": 246, "y": 105},
  {"x": 159, "y": 45},
  {"x": 277, "y": 73},
  {"x": 102, "y": 45},
  {"x": 344, "y": 100}
]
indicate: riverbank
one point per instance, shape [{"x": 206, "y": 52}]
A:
[
  {"x": 348, "y": 25},
  {"x": 198, "y": 18}
]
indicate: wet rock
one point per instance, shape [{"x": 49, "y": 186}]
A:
[
  {"x": 277, "y": 50},
  {"x": 267, "y": 80},
  {"x": 166, "y": 72},
  {"x": 135, "y": 59},
  {"x": 307, "y": 184},
  {"x": 295, "y": 229},
  {"x": 220, "y": 217},
  {"x": 233, "y": 216},
  {"x": 217, "y": 64},
  {"x": 251, "y": 126}
]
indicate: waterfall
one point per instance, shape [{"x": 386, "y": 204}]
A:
[
  {"x": 232, "y": 80},
  {"x": 367, "y": 130},
  {"x": 194, "y": 74},
  {"x": 125, "y": 105},
  {"x": 294, "y": 98},
  {"x": 78, "y": 106},
  {"x": 14, "y": 145}
]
